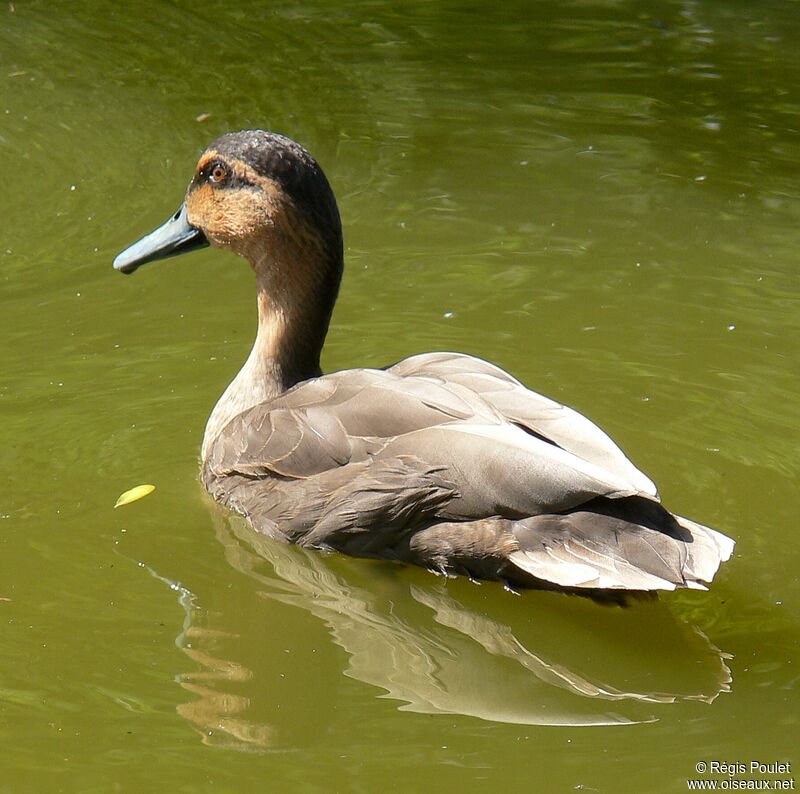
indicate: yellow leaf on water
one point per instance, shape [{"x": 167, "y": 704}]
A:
[{"x": 133, "y": 494}]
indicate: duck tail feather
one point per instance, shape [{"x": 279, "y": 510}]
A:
[
  {"x": 708, "y": 549},
  {"x": 630, "y": 544}
]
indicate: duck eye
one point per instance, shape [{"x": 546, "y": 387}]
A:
[{"x": 218, "y": 173}]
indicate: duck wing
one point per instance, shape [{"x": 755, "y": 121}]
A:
[
  {"x": 536, "y": 413},
  {"x": 630, "y": 543},
  {"x": 387, "y": 451}
]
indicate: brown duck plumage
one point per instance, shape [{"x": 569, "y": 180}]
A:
[{"x": 442, "y": 459}]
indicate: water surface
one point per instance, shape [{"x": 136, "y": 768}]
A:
[{"x": 599, "y": 196}]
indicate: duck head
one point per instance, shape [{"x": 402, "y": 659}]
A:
[
  {"x": 261, "y": 195},
  {"x": 264, "y": 197}
]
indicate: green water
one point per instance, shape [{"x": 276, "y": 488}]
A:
[{"x": 602, "y": 197}]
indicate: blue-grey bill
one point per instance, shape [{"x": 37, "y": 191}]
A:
[{"x": 175, "y": 237}]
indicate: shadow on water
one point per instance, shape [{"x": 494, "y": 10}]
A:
[{"x": 447, "y": 647}]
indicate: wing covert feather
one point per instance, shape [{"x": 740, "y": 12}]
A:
[
  {"x": 444, "y": 416},
  {"x": 543, "y": 416}
]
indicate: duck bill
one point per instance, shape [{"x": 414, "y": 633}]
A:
[{"x": 176, "y": 236}]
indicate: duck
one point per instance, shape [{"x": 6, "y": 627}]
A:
[{"x": 441, "y": 460}]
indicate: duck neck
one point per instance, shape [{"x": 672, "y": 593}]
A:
[{"x": 295, "y": 301}]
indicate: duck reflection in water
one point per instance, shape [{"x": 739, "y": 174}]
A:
[{"x": 437, "y": 647}]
